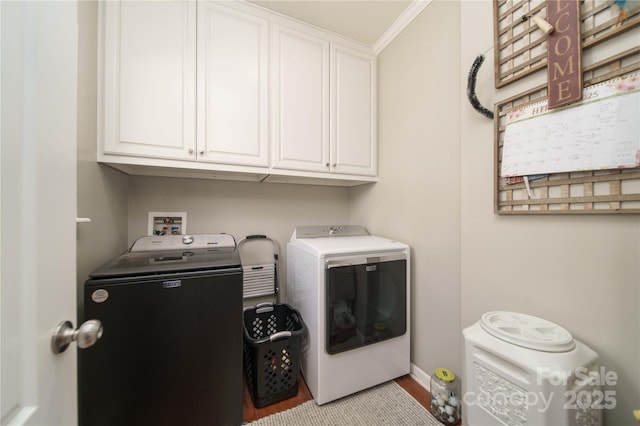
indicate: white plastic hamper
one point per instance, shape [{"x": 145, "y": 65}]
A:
[{"x": 523, "y": 370}]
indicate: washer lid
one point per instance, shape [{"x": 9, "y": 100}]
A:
[{"x": 527, "y": 331}]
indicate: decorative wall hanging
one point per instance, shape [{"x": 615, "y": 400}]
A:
[
  {"x": 522, "y": 40},
  {"x": 521, "y": 47},
  {"x": 570, "y": 192},
  {"x": 471, "y": 88},
  {"x": 564, "y": 56}
]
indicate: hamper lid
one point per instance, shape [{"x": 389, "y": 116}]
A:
[{"x": 527, "y": 331}]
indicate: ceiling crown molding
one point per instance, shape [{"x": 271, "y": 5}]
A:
[{"x": 399, "y": 24}]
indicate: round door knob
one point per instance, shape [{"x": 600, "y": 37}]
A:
[
  {"x": 86, "y": 335},
  {"x": 190, "y": 150}
]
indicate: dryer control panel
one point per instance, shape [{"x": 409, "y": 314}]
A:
[{"x": 329, "y": 231}]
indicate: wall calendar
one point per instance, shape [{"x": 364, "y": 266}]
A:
[{"x": 601, "y": 132}]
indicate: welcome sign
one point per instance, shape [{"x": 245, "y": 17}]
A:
[{"x": 564, "y": 53}]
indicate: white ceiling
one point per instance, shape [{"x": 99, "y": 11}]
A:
[{"x": 362, "y": 20}]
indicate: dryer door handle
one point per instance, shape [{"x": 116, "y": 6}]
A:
[{"x": 361, "y": 260}]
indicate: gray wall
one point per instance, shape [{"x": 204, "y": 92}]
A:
[
  {"x": 417, "y": 200},
  {"x": 237, "y": 208},
  {"x": 580, "y": 272},
  {"x": 436, "y": 193},
  {"x": 103, "y": 193}
]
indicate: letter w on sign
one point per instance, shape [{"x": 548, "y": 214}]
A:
[{"x": 564, "y": 53}]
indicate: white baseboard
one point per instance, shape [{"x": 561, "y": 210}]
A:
[{"x": 421, "y": 377}]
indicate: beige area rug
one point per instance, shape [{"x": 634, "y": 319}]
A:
[{"x": 385, "y": 404}]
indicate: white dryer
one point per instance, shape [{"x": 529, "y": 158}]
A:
[{"x": 352, "y": 289}]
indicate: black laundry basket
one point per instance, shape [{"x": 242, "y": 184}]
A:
[{"x": 273, "y": 335}]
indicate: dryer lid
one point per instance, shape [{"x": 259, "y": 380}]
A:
[{"x": 527, "y": 331}]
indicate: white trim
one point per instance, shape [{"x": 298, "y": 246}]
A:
[
  {"x": 421, "y": 377},
  {"x": 399, "y": 24}
]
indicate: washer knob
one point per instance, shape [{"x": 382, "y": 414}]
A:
[{"x": 187, "y": 239}]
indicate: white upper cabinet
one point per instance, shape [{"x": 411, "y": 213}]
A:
[
  {"x": 232, "y": 86},
  {"x": 148, "y": 78},
  {"x": 353, "y": 111},
  {"x": 300, "y": 100},
  {"x": 230, "y": 90},
  {"x": 324, "y": 105}
]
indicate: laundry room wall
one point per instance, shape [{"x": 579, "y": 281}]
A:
[
  {"x": 237, "y": 208},
  {"x": 417, "y": 200},
  {"x": 102, "y": 192},
  {"x": 436, "y": 193},
  {"x": 582, "y": 272}
]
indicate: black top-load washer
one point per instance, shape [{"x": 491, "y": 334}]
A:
[{"x": 171, "y": 347}]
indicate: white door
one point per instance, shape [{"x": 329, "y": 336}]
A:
[{"x": 38, "y": 208}]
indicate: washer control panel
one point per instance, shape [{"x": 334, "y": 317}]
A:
[{"x": 176, "y": 242}]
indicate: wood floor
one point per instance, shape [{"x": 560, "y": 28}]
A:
[{"x": 252, "y": 413}]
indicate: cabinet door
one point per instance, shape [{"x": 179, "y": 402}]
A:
[
  {"x": 232, "y": 86},
  {"x": 353, "y": 112},
  {"x": 300, "y": 111},
  {"x": 147, "y": 89}
]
